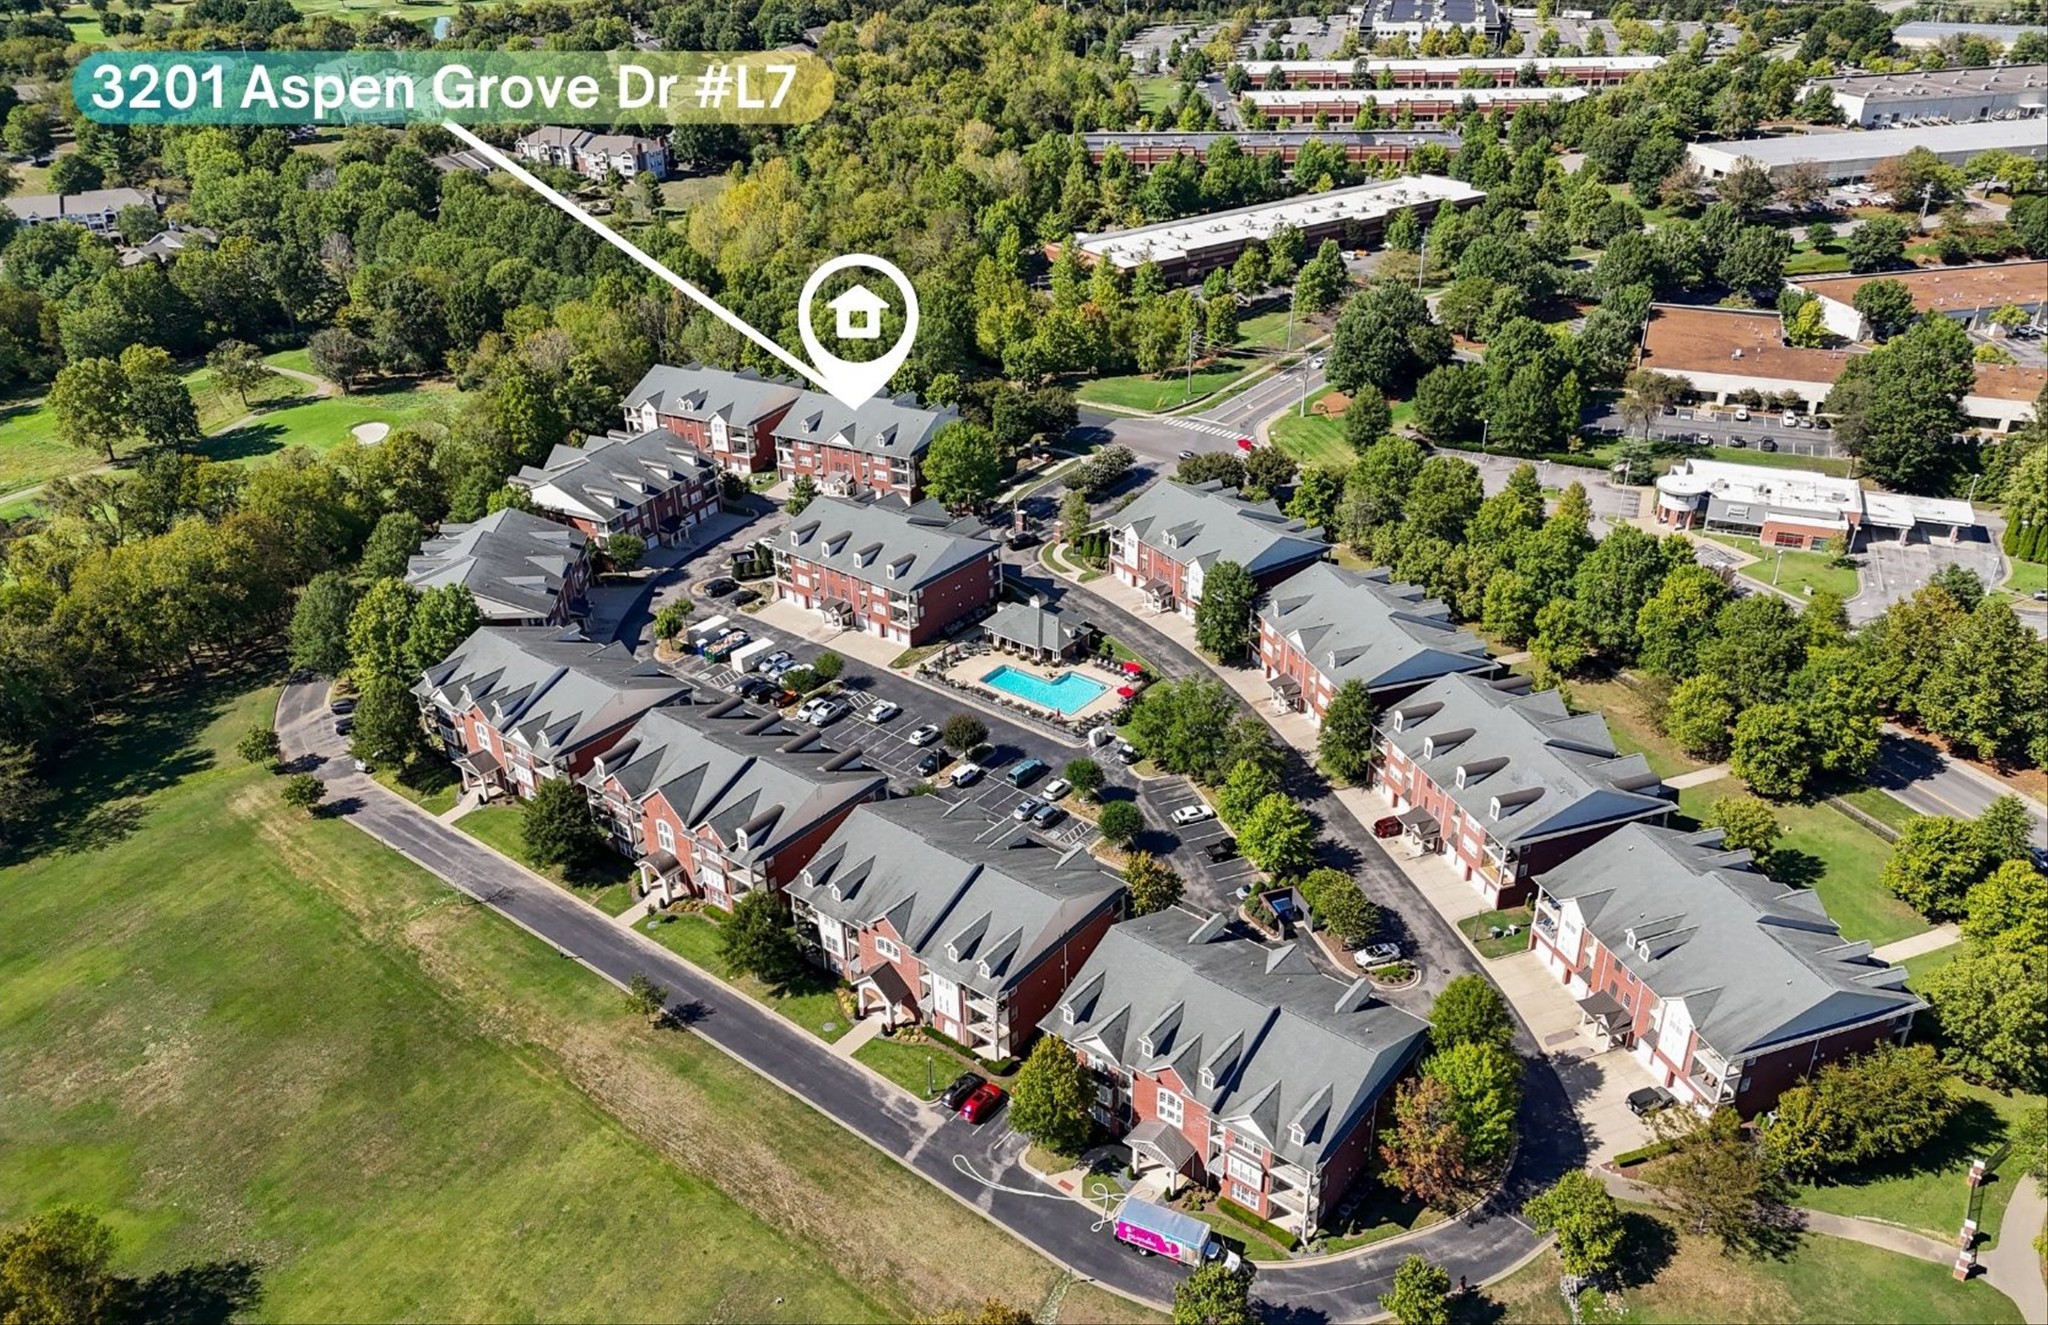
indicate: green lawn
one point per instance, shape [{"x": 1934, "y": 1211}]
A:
[
  {"x": 1807, "y": 260},
  {"x": 813, "y": 1005},
  {"x": 1826, "y": 850},
  {"x": 431, "y": 784},
  {"x": 1381, "y": 1214},
  {"x": 1926, "y": 964},
  {"x": 1882, "y": 806},
  {"x": 323, "y": 424},
  {"x": 1268, "y": 331},
  {"x": 1928, "y": 1189},
  {"x": 1156, "y": 94},
  {"x": 1136, "y": 391},
  {"x": 1314, "y": 438},
  {"x": 1479, "y": 929},
  {"x": 2026, "y": 577},
  {"x": 605, "y": 881},
  {"x": 922, "y": 1069},
  {"x": 32, "y": 453},
  {"x": 1675, "y": 1277},
  {"x": 1739, "y": 455},
  {"x": 1632, "y": 715},
  {"x": 1795, "y": 572}
]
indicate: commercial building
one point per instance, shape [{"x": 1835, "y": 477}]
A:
[
  {"x": 1576, "y": 71},
  {"x": 1940, "y": 96},
  {"x": 716, "y": 801},
  {"x": 1730, "y": 988},
  {"x": 595, "y": 155},
  {"x": 521, "y": 570},
  {"x": 1729, "y": 354},
  {"x": 1326, "y": 626},
  {"x": 1168, "y": 539},
  {"x": 1413, "y": 18},
  {"x": 730, "y": 416},
  {"x": 878, "y": 448},
  {"x": 653, "y": 485},
  {"x": 1190, "y": 248},
  {"x": 1920, "y": 35},
  {"x": 879, "y": 566},
  {"x": 514, "y": 705},
  {"x": 1848, "y": 155},
  {"x": 95, "y": 209},
  {"x": 1507, "y": 784},
  {"x": 936, "y": 916},
  {"x": 1799, "y": 508},
  {"x": 1146, "y": 150},
  {"x": 1969, "y": 294},
  {"x": 1236, "y": 1064},
  {"x": 1423, "y": 106}
]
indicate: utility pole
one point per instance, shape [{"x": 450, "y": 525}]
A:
[{"x": 1779, "y": 569}]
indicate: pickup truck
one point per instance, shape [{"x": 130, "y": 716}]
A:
[{"x": 1154, "y": 1230}]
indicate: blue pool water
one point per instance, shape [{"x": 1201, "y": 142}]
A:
[{"x": 1068, "y": 694}]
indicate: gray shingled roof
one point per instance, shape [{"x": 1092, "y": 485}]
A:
[
  {"x": 1758, "y": 963},
  {"x": 731, "y": 768},
  {"x": 898, "y": 427},
  {"x": 1550, "y": 772},
  {"x": 884, "y": 541},
  {"x": 42, "y": 207},
  {"x": 1285, "y": 1044},
  {"x": 1035, "y": 627},
  {"x": 548, "y": 687},
  {"x": 1360, "y": 626},
  {"x": 979, "y": 903},
  {"x": 512, "y": 563},
  {"x": 698, "y": 391},
  {"x": 611, "y": 475},
  {"x": 1205, "y": 524},
  {"x": 574, "y": 139}
]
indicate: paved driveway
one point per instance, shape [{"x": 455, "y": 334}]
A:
[{"x": 1892, "y": 570}]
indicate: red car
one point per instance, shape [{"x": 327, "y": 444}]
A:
[
  {"x": 983, "y": 1103},
  {"x": 1387, "y": 827}
]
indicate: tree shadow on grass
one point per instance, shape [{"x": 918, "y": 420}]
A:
[
  {"x": 210, "y": 1293},
  {"x": 1648, "y": 1244},
  {"x": 1975, "y": 1130},
  {"x": 245, "y": 443},
  {"x": 1796, "y": 868}
]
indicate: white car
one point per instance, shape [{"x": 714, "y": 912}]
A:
[
  {"x": 1378, "y": 954},
  {"x": 965, "y": 774},
  {"x": 775, "y": 663},
  {"x": 1742, "y": 416},
  {"x": 883, "y": 711},
  {"x": 1057, "y": 788},
  {"x": 813, "y": 707},
  {"x": 830, "y": 711},
  {"x": 1192, "y": 814},
  {"x": 923, "y": 736},
  {"x": 1790, "y": 420}
]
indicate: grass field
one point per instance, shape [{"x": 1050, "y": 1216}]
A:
[
  {"x": 605, "y": 881},
  {"x": 813, "y": 1005},
  {"x": 322, "y": 424},
  {"x": 240, "y": 1033},
  {"x": 1806, "y": 260},
  {"x": 922, "y": 1069},
  {"x": 1839, "y": 466},
  {"x": 1827, "y": 851},
  {"x": 1676, "y": 1277},
  {"x": 1480, "y": 928},
  {"x": 1632, "y": 720},
  {"x": 1156, "y": 94},
  {"x": 432, "y": 785},
  {"x": 1882, "y": 806},
  {"x": 1151, "y": 394},
  {"x": 1316, "y": 438},
  {"x": 1796, "y": 572},
  {"x": 2026, "y": 577}
]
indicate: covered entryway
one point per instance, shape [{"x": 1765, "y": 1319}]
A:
[
  {"x": 885, "y": 991},
  {"x": 1603, "y": 1018},
  {"x": 1161, "y": 1148}
]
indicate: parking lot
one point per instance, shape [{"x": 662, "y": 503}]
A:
[
  {"x": 1210, "y": 884},
  {"x": 1722, "y": 428}
]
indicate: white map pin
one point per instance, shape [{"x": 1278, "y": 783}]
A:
[{"x": 853, "y": 384}]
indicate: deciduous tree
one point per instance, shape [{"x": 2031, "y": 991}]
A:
[
  {"x": 1425, "y": 1149},
  {"x": 1153, "y": 884},
  {"x": 1215, "y": 1294},
  {"x": 1223, "y": 617},
  {"x": 1119, "y": 822},
  {"x": 1470, "y": 1010},
  {"x": 1344, "y": 743},
  {"x": 1279, "y": 837},
  {"x": 1052, "y": 1096},
  {"x": 757, "y": 940},
  {"x": 1586, "y": 1219},
  {"x": 1991, "y": 1008},
  {"x": 556, "y": 828},
  {"x": 1421, "y": 1294}
]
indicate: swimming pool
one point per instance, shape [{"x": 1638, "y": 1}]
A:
[{"x": 1066, "y": 694}]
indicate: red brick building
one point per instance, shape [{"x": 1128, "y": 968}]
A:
[
  {"x": 1145, "y": 150},
  {"x": 1236, "y": 1064},
  {"x": 654, "y": 485},
  {"x": 514, "y": 705},
  {"x": 946, "y": 919},
  {"x": 716, "y": 801},
  {"x": 905, "y": 573},
  {"x": 1506, "y": 784},
  {"x": 1165, "y": 542},
  {"x": 520, "y": 569},
  {"x": 1326, "y": 626},
  {"x": 730, "y": 417},
  {"x": 876, "y": 449},
  {"x": 1368, "y": 75},
  {"x": 1728, "y": 987}
]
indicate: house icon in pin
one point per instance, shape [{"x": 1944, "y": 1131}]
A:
[{"x": 858, "y": 313}]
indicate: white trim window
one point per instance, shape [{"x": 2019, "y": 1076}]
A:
[
  {"x": 665, "y": 836},
  {"x": 1170, "y": 1108},
  {"x": 886, "y": 949}
]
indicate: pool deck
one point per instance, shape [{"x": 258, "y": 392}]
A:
[{"x": 969, "y": 671}]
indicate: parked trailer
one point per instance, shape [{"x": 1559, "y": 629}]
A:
[
  {"x": 742, "y": 660},
  {"x": 1154, "y": 1230},
  {"x": 705, "y": 631}
]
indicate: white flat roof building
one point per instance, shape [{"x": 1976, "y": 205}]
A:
[
  {"x": 1920, "y": 36},
  {"x": 1446, "y": 72},
  {"x": 1851, "y": 154},
  {"x": 1797, "y": 507},
  {"x": 1197, "y": 244},
  {"x": 1389, "y": 98},
  {"x": 2009, "y": 91}
]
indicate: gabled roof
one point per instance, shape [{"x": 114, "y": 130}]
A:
[
  {"x": 755, "y": 780},
  {"x": 1034, "y": 626},
  {"x": 612, "y": 475},
  {"x": 1531, "y": 769},
  {"x": 546, "y": 687},
  {"x": 978, "y": 902},
  {"x": 1284, "y": 1044},
  {"x": 1208, "y": 523},
  {"x": 698, "y": 391},
  {"x": 1757, "y": 963},
  {"x": 893, "y": 428},
  {"x": 512, "y": 563},
  {"x": 884, "y": 541},
  {"x": 1360, "y": 626}
]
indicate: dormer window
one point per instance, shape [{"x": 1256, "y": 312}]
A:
[
  {"x": 1493, "y": 808},
  {"x": 1461, "y": 777},
  {"x": 1208, "y": 1079},
  {"x": 1399, "y": 720},
  {"x": 985, "y": 972},
  {"x": 834, "y": 890},
  {"x": 1067, "y": 1013},
  {"x": 952, "y": 952},
  {"x": 1145, "y": 1046},
  {"x": 1297, "y": 1136}
]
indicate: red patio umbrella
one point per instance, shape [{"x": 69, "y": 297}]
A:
[
  {"x": 1125, "y": 692},
  {"x": 1133, "y": 668}
]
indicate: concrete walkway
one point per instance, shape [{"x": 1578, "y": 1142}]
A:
[
  {"x": 1941, "y": 936},
  {"x": 1871, "y": 1234},
  {"x": 2012, "y": 1266},
  {"x": 867, "y": 1028},
  {"x": 1699, "y": 777}
]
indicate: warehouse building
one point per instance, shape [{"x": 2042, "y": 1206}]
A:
[
  {"x": 1923, "y": 36},
  {"x": 1422, "y": 105},
  {"x": 1190, "y": 248},
  {"x": 1849, "y": 156},
  {"x": 1413, "y": 18},
  {"x": 1969, "y": 294},
  {"x": 1146, "y": 150},
  {"x": 1580, "y": 71},
  {"x": 1940, "y": 96}
]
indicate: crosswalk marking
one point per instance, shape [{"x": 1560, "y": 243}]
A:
[{"x": 1203, "y": 425}]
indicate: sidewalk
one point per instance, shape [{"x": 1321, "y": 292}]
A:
[
  {"x": 1699, "y": 777},
  {"x": 2012, "y": 1267},
  {"x": 1934, "y": 940}
]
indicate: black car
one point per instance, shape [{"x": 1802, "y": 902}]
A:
[
  {"x": 932, "y": 762},
  {"x": 720, "y": 587},
  {"x": 755, "y": 688},
  {"x": 341, "y": 706},
  {"x": 745, "y": 596},
  {"x": 956, "y": 1094},
  {"x": 1642, "y": 1103},
  {"x": 1766, "y": 445},
  {"x": 1222, "y": 849},
  {"x": 344, "y": 725}
]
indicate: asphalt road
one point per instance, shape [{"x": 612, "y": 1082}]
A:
[
  {"x": 1270, "y": 396},
  {"x": 1931, "y": 783}
]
